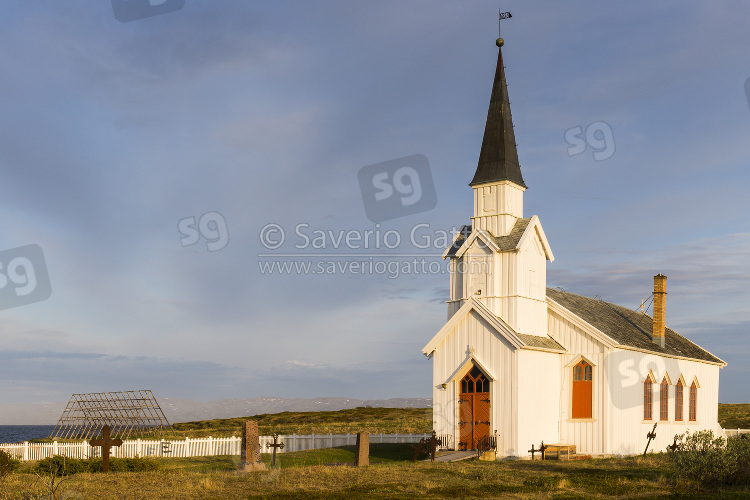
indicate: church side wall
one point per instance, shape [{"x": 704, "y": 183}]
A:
[
  {"x": 497, "y": 356},
  {"x": 629, "y": 370},
  {"x": 539, "y": 398},
  {"x": 588, "y": 435}
]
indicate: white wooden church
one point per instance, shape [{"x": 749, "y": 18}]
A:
[{"x": 529, "y": 363}]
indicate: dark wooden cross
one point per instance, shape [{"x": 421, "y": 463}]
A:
[
  {"x": 105, "y": 443},
  {"x": 673, "y": 447},
  {"x": 433, "y": 445},
  {"x": 543, "y": 449},
  {"x": 275, "y": 445},
  {"x": 651, "y": 435},
  {"x": 429, "y": 443},
  {"x": 532, "y": 451}
]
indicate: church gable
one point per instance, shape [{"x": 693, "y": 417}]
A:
[{"x": 474, "y": 321}]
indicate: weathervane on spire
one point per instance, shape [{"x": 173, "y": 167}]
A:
[{"x": 503, "y": 15}]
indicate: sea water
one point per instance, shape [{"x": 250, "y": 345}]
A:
[{"x": 20, "y": 433}]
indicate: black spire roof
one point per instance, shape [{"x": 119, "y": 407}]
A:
[{"x": 498, "y": 159}]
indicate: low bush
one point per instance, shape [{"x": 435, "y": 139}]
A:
[
  {"x": 712, "y": 460},
  {"x": 64, "y": 466},
  {"x": 8, "y": 464},
  {"x": 123, "y": 465}
]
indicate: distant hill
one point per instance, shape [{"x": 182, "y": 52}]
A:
[{"x": 186, "y": 410}]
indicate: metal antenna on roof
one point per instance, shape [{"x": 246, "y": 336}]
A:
[{"x": 503, "y": 15}]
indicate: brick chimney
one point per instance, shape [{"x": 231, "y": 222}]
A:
[{"x": 660, "y": 299}]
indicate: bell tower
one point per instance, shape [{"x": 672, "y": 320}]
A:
[{"x": 501, "y": 259}]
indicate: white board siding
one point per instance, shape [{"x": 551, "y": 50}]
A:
[
  {"x": 512, "y": 284},
  {"x": 588, "y": 436},
  {"x": 539, "y": 381},
  {"x": 628, "y": 428},
  {"x": 491, "y": 351},
  {"x": 496, "y": 207}
]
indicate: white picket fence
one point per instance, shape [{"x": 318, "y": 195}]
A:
[
  {"x": 735, "y": 432},
  {"x": 199, "y": 447}
]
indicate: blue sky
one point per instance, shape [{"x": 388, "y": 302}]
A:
[{"x": 256, "y": 114}]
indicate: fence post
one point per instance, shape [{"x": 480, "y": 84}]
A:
[
  {"x": 331, "y": 440},
  {"x": 294, "y": 440},
  {"x": 381, "y": 437},
  {"x": 25, "y": 450}
]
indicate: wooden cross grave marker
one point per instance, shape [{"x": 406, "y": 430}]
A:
[
  {"x": 105, "y": 443},
  {"x": 651, "y": 435},
  {"x": 275, "y": 445}
]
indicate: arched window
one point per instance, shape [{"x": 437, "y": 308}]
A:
[
  {"x": 475, "y": 381},
  {"x": 582, "y": 390},
  {"x": 693, "y": 402},
  {"x": 678, "y": 404},
  {"x": 648, "y": 399},
  {"x": 664, "y": 399}
]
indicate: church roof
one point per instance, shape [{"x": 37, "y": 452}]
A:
[
  {"x": 510, "y": 242},
  {"x": 505, "y": 243},
  {"x": 498, "y": 158},
  {"x": 628, "y": 327},
  {"x": 537, "y": 341}
]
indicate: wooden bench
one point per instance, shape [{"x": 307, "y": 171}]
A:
[{"x": 559, "y": 451}]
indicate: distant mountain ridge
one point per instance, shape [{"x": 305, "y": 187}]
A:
[{"x": 186, "y": 410}]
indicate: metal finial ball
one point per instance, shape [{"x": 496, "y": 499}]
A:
[{"x": 500, "y": 42}]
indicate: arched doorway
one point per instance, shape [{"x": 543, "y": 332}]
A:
[{"x": 473, "y": 409}]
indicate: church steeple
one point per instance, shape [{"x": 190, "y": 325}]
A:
[
  {"x": 498, "y": 185},
  {"x": 498, "y": 159}
]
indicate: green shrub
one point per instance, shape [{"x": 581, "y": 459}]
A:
[
  {"x": 8, "y": 464},
  {"x": 123, "y": 465},
  {"x": 702, "y": 457},
  {"x": 64, "y": 466},
  {"x": 61, "y": 465}
]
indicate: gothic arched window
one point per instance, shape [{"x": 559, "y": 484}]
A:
[
  {"x": 582, "y": 390},
  {"x": 664, "y": 399}
]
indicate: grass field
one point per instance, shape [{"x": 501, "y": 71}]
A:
[
  {"x": 319, "y": 474},
  {"x": 734, "y": 416},
  {"x": 391, "y": 475},
  {"x": 373, "y": 420}
]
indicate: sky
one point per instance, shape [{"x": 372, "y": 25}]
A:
[{"x": 148, "y": 169}]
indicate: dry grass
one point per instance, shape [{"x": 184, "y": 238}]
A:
[
  {"x": 734, "y": 416},
  {"x": 373, "y": 420},
  {"x": 598, "y": 478}
]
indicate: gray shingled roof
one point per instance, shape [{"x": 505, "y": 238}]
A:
[
  {"x": 506, "y": 243},
  {"x": 458, "y": 243},
  {"x": 535, "y": 341},
  {"x": 627, "y": 327},
  {"x": 510, "y": 242},
  {"x": 498, "y": 158}
]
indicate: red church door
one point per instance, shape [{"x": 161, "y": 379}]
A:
[{"x": 473, "y": 409}]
